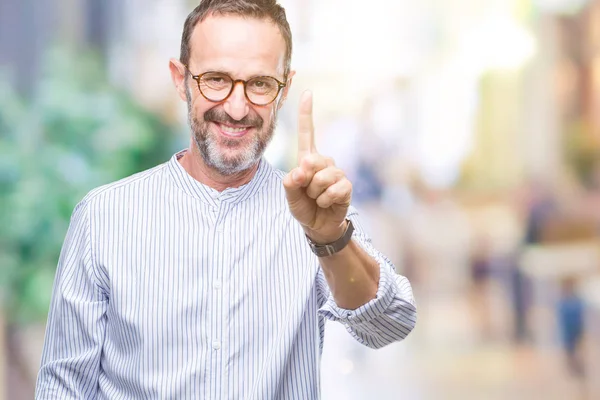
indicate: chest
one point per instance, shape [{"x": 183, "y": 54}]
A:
[{"x": 180, "y": 273}]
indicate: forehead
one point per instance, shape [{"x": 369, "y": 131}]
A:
[{"x": 241, "y": 46}]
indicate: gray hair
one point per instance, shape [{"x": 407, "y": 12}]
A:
[{"x": 259, "y": 9}]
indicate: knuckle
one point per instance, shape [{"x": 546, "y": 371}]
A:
[
  {"x": 333, "y": 191},
  {"x": 310, "y": 160},
  {"x": 323, "y": 201},
  {"x": 320, "y": 179},
  {"x": 312, "y": 194},
  {"x": 316, "y": 158}
]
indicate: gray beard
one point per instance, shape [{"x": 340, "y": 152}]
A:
[{"x": 208, "y": 146}]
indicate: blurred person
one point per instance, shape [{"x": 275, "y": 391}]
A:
[
  {"x": 539, "y": 207},
  {"x": 211, "y": 275},
  {"x": 570, "y": 319},
  {"x": 481, "y": 270}
]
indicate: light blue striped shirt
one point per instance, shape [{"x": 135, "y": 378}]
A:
[{"x": 168, "y": 289}]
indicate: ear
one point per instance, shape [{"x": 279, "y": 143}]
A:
[
  {"x": 286, "y": 90},
  {"x": 178, "y": 73}
]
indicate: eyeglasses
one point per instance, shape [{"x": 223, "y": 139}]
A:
[{"x": 218, "y": 86}]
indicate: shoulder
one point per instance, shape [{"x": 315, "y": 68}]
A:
[{"x": 116, "y": 191}]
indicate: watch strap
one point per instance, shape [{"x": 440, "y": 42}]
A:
[{"x": 324, "y": 250}]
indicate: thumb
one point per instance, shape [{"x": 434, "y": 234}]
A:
[{"x": 293, "y": 184}]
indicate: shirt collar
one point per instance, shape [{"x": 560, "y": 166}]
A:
[{"x": 184, "y": 181}]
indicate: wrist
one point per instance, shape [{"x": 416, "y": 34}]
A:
[
  {"x": 332, "y": 247},
  {"x": 326, "y": 237}
]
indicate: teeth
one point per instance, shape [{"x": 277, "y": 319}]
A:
[{"x": 229, "y": 129}]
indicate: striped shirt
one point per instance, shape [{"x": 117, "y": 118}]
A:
[{"x": 169, "y": 289}]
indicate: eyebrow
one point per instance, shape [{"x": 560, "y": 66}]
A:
[
  {"x": 228, "y": 72},
  {"x": 248, "y": 77}
]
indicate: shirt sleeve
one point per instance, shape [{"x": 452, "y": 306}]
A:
[
  {"x": 388, "y": 318},
  {"x": 77, "y": 319}
]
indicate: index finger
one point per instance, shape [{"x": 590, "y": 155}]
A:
[{"x": 306, "y": 130}]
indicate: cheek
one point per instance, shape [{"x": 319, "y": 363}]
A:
[
  {"x": 198, "y": 104},
  {"x": 269, "y": 114},
  {"x": 198, "y": 108}
]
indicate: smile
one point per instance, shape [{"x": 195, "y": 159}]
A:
[{"x": 232, "y": 131}]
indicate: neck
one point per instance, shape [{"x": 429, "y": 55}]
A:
[{"x": 194, "y": 164}]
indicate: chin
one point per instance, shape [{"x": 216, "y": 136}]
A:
[{"x": 233, "y": 162}]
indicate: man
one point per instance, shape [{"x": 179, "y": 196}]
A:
[{"x": 211, "y": 276}]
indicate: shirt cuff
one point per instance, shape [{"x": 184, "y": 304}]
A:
[{"x": 369, "y": 311}]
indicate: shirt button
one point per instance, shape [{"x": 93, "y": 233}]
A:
[
  {"x": 220, "y": 229},
  {"x": 216, "y": 345},
  {"x": 217, "y": 285}
]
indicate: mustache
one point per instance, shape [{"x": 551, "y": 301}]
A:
[{"x": 220, "y": 116}]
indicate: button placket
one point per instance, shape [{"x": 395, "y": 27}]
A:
[
  {"x": 221, "y": 217},
  {"x": 217, "y": 344}
]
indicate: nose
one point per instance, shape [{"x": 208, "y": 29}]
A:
[{"x": 237, "y": 105}]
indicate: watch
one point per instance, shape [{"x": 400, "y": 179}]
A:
[{"x": 323, "y": 250}]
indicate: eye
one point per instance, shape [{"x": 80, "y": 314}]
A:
[
  {"x": 262, "y": 85},
  {"x": 216, "y": 81}
]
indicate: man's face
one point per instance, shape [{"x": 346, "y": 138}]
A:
[{"x": 232, "y": 135}]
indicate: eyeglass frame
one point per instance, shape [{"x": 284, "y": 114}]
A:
[{"x": 234, "y": 82}]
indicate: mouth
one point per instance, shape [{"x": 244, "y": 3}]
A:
[{"x": 233, "y": 131}]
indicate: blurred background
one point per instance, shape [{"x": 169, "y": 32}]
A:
[{"x": 471, "y": 131}]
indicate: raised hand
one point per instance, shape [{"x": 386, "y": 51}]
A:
[{"x": 318, "y": 192}]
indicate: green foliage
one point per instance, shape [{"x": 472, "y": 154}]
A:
[{"x": 76, "y": 133}]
